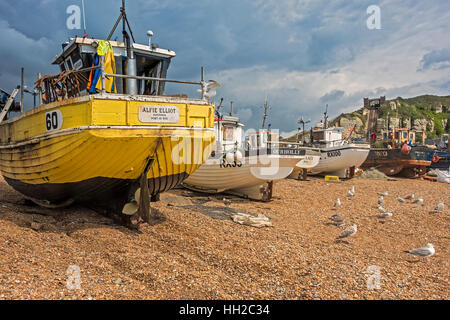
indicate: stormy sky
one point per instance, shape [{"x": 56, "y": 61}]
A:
[{"x": 300, "y": 54}]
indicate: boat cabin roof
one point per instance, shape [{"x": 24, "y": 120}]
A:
[
  {"x": 231, "y": 120},
  {"x": 335, "y": 129},
  {"x": 88, "y": 46}
]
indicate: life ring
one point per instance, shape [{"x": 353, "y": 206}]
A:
[{"x": 435, "y": 158}]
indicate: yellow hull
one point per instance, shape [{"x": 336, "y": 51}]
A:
[{"x": 101, "y": 145}]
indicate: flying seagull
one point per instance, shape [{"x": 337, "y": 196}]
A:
[
  {"x": 209, "y": 88},
  {"x": 348, "y": 232},
  {"x": 426, "y": 251}
]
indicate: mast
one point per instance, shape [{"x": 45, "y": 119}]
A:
[
  {"x": 325, "y": 117},
  {"x": 84, "y": 17},
  {"x": 266, "y": 106},
  {"x": 128, "y": 65}
]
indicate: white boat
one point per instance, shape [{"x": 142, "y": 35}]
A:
[
  {"x": 247, "y": 171},
  {"x": 310, "y": 160},
  {"x": 338, "y": 155}
]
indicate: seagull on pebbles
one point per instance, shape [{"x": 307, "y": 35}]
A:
[
  {"x": 385, "y": 215},
  {"x": 337, "y": 203},
  {"x": 337, "y": 219},
  {"x": 426, "y": 251},
  {"x": 419, "y": 200},
  {"x": 410, "y": 197},
  {"x": 348, "y": 232},
  {"x": 380, "y": 201},
  {"x": 381, "y": 209},
  {"x": 400, "y": 199},
  {"x": 383, "y": 194},
  {"x": 439, "y": 207}
]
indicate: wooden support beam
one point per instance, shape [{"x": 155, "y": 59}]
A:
[{"x": 8, "y": 104}]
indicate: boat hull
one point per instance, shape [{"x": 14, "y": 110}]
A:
[
  {"x": 337, "y": 160},
  {"x": 392, "y": 162},
  {"x": 247, "y": 178},
  {"x": 441, "y": 162},
  {"x": 308, "y": 163},
  {"x": 102, "y": 149}
]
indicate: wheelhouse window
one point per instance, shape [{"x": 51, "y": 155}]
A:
[{"x": 227, "y": 133}]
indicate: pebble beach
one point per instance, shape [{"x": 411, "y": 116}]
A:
[{"x": 196, "y": 251}]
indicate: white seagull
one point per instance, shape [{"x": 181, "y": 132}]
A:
[
  {"x": 209, "y": 89},
  {"x": 400, "y": 199},
  {"x": 385, "y": 215},
  {"x": 384, "y": 194},
  {"x": 426, "y": 251},
  {"x": 381, "y": 209},
  {"x": 337, "y": 203},
  {"x": 419, "y": 200}
]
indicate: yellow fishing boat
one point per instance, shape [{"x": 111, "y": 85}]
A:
[{"x": 116, "y": 142}]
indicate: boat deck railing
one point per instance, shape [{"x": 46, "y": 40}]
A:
[
  {"x": 200, "y": 83},
  {"x": 69, "y": 83}
]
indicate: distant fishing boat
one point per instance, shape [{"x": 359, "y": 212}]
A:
[
  {"x": 393, "y": 161},
  {"x": 338, "y": 156},
  {"x": 247, "y": 170},
  {"x": 398, "y": 158},
  {"x": 105, "y": 133}
]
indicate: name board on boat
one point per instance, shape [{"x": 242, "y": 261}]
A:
[
  {"x": 53, "y": 120},
  {"x": 288, "y": 152},
  {"x": 159, "y": 114},
  {"x": 381, "y": 154}
]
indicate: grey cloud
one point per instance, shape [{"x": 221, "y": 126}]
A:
[
  {"x": 331, "y": 96},
  {"x": 436, "y": 59}
]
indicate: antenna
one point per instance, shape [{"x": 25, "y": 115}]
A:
[
  {"x": 84, "y": 16},
  {"x": 302, "y": 122},
  {"x": 220, "y": 105}
]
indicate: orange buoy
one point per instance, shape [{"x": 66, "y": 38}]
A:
[{"x": 435, "y": 158}]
